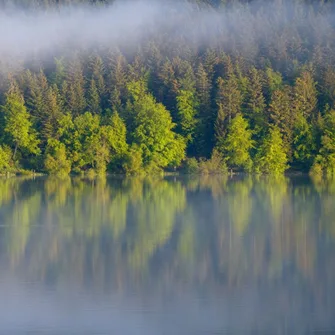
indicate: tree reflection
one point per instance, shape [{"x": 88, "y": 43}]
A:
[{"x": 115, "y": 232}]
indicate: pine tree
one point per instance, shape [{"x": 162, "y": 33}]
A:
[
  {"x": 255, "y": 103},
  {"x": 305, "y": 96},
  {"x": 74, "y": 87},
  {"x": 274, "y": 82},
  {"x": 282, "y": 115},
  {"x": 97, "y": 73},
  {"x": 93, "y": 99},
  {"x": 229, "y": 95},
  {"x": 167, "y": 86},
  {"x": 303, "y": 144},
  {"x": 117, "y": 79},
  {"x": 204, "y": 133},
  {"x": 187, "y": 109},
  {"x": 52, "y": 114},
  {"x": 326, "y": 157},
  {"x": 220, "y": 126},
  {"x": 60, "y": 73}
]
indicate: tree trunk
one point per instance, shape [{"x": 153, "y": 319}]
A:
[{"x": 14, "y": 154}]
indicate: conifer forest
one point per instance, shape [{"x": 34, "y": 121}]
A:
[{"x": 207, "y": 87}]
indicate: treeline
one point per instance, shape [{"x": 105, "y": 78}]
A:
[{"x": 263, "y": 107}]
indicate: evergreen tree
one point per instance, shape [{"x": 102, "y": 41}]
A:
[
  {"x": 229, "y": 96},
  {"x": 303, "y": 144},
  {"x": 74, "y": 87},
  {"x": 282, "y": 115},
  {"x": 255, "y": 103},
  {"x": 187, "y": 109},
  {"x": 326, "y": 157},
  {"x": 305, "y": 95},
  {"x": 97, "y": 70},
  {"x": 274, "y": 82},
  {"x": 205, "y": 125},
  {"x": 169, "y": 81},
  {"x": 220, "y": 127},
  {"x": 117, "y": 79},
  {"x": 52, "y": 114},
  {"x": 60, "y": 73},
  {"x": 93, "y": 99}
]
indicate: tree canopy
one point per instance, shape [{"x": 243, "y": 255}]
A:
[{"x": 248, "y": 100}]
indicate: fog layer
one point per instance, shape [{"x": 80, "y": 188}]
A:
[{"x": 130, "y": 23}]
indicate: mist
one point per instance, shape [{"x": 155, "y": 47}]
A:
[
  {"x": 45, "y": 33},
  {"x": 130, "y": 24}
]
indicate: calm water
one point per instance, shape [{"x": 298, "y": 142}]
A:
[{"x": 167, "y": 256}]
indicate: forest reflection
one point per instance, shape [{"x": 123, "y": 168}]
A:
[{"x": 142, "y": 234}]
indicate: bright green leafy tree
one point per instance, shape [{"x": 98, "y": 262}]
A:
[
  {"x": 153, "y": 133},
  {"x": 18, "y": 125},
  {"x": 271, "y": 157},
  {"x": 237, "y": 144}
]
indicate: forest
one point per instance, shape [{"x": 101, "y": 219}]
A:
[{"x": 243, "y": 86}]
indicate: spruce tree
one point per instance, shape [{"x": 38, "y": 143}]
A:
[
  {"x": 305, "y": 96},
  {"x": 282, "y": 115},
  {"x": 255, "y": 103}
]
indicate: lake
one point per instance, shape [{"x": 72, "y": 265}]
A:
[{"x": 175, "y": 255}]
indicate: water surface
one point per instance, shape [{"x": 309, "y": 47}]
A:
[{"x": 209, "y": 255}]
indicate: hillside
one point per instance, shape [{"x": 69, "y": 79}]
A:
[{"x": 134, "y": 87}]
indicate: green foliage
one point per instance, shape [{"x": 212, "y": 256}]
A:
[
  {"x": 305, "y": 95},
  {"x": 237, "y": 144},
  {"x": 215, "y": 165},
  {"x": 255, "y": 103},
  {"x": 274, "y": 80},
  {"x": 281, "y": 114},
  {"x": 153, "y": 125},
  {"x": 18, "y": 126},
  {"x": 316, "y": 169},
  {"x": 93, "y": 100},
  {"x": 186, "y": 104},
  {"x": 56, "y": 162},
  {"x": 326, "y": 157},
  {"x": 303, "y": 144},
  {"x": 271, "y": 157},
  {"x": 229, "y": 95},
  {"x": 191, "y": 166},
  {"x": 133, "y": 163},
  {"x": 119, "y": 110},
  {"x": 6, "y": 163},
  {"x": 116, "y": 134}
]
